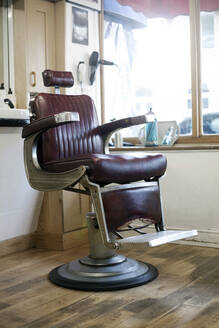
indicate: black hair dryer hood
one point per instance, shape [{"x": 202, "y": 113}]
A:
[{"x": 94, "y": 62}]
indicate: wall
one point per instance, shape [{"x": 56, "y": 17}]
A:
[
  {"x": 77, "y": 52},
  {"x": 19, "y": 203},
  {"x": 190, "y": 187},
  {"x": 190, "y": 192},
  {"x": 1, "y": 47}
]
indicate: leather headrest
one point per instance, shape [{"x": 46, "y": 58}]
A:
[{"x": 57, "y": 79}]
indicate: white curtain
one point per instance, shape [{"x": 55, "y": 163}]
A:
[{"x": 119, "y": 47}]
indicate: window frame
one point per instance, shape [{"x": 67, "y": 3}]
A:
[{"x": 196, "y": 96}]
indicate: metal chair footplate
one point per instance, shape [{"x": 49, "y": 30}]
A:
[{"x": 155, "y": 239}]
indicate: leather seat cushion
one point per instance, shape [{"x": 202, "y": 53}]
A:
[{"x": 104, "y": 169}]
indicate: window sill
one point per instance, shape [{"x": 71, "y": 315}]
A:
[{"x": 169, "y": 148}]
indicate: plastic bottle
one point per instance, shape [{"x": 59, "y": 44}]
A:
[
  {"x": 151, "y": 133},
  {"x": 168, "y": 138}
]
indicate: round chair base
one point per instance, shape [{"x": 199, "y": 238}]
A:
[{"x": 129, "y": 273}]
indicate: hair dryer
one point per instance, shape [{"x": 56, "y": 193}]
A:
[{"x": 94, "y": 62}]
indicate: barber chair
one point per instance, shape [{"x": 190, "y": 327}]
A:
[{"x": 65, "y": 146}]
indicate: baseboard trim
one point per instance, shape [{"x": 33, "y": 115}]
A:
[
  {"x": 61, "y": 241},
  {"x": 75, "y": 238},
  {"x": 17, "y": 244},
  {"x": 44, "y": 240},
  {"x": 205, "y": 238}
]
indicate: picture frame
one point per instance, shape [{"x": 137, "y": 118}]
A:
[
  {"x": 90, "y": 4},
  {"x": 80, "y": 32}
]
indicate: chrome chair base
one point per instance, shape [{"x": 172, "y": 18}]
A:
[{"x": 103, "y": 275}]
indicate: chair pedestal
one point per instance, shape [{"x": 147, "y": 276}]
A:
[{"x": 103, "y": 269}]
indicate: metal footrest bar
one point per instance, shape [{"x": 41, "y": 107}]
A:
[{"x": 154, "y": 239}]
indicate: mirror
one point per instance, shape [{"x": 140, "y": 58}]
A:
[
  {"x": 6, "y": 48},
  {"x": 1, "y": 49}
]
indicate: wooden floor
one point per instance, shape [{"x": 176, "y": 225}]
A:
[{"x": 186, "y": 293}]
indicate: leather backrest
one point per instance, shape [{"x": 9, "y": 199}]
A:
[{"x": 66, "y": 141}]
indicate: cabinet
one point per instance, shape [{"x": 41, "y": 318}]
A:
[
  {"x": 41, "y": 42},
  {"x": 62, "y": 221}
]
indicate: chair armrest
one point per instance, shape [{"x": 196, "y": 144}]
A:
[
  {"x": 49, "y": 122},
  {"x": 109, "y": 128}
]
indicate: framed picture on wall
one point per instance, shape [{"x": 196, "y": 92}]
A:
[
  {"x": 92, "y": 4},
  {"x": 80, "y": 26}
]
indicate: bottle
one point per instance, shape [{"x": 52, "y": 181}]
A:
[
  {"x": 168, "y": 138},
  {"x": 118, "y": 140},
  {"x": 151, "y": 133}
]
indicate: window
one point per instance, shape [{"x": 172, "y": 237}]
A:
[
  {"x": 207, "y": 29},
  {"x": 170, "y": 60},
  {"x": 210, "y": 70}
]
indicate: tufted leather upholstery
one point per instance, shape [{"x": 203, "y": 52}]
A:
[
  {"x": 57, "y": 79},
  {"x": 123, "y": 206},
  {"x": 104, "y": 169},
  {"x": 64, "y": 142},
  {"x": 81, "y": 143}
]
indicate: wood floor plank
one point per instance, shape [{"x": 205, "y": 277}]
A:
[
  {"x": 45, "y": 312},
  {"x": 34, "y": 301},
  {"x": 207, "y": 317},
  {"x": 33, "y": 256},
  {"x": 185, "y": 295},
  {"x": 91, "y": 305},
  {"x": 11, "y": 279},
  {"x": 177, "y": 317}
]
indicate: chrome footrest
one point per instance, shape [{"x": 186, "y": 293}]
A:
[{"x": 155, "y": 239}]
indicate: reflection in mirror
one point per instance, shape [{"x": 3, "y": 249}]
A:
[
  {"x": 6, "y": 53},
  {"x": 1, "y": 49}
]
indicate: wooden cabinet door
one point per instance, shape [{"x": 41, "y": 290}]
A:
[
  {"x": 41, "y": 42},
  {"x": 75, "y": 209}
]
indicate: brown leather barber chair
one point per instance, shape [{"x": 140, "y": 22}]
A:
[{"x": 64, "y": 145}]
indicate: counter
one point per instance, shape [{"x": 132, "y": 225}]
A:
[
  {"x": 14, "y": 117},
  {"x": 19, "y": 203}
]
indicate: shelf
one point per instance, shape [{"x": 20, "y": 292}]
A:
[{"x": 176, "y": 147}]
